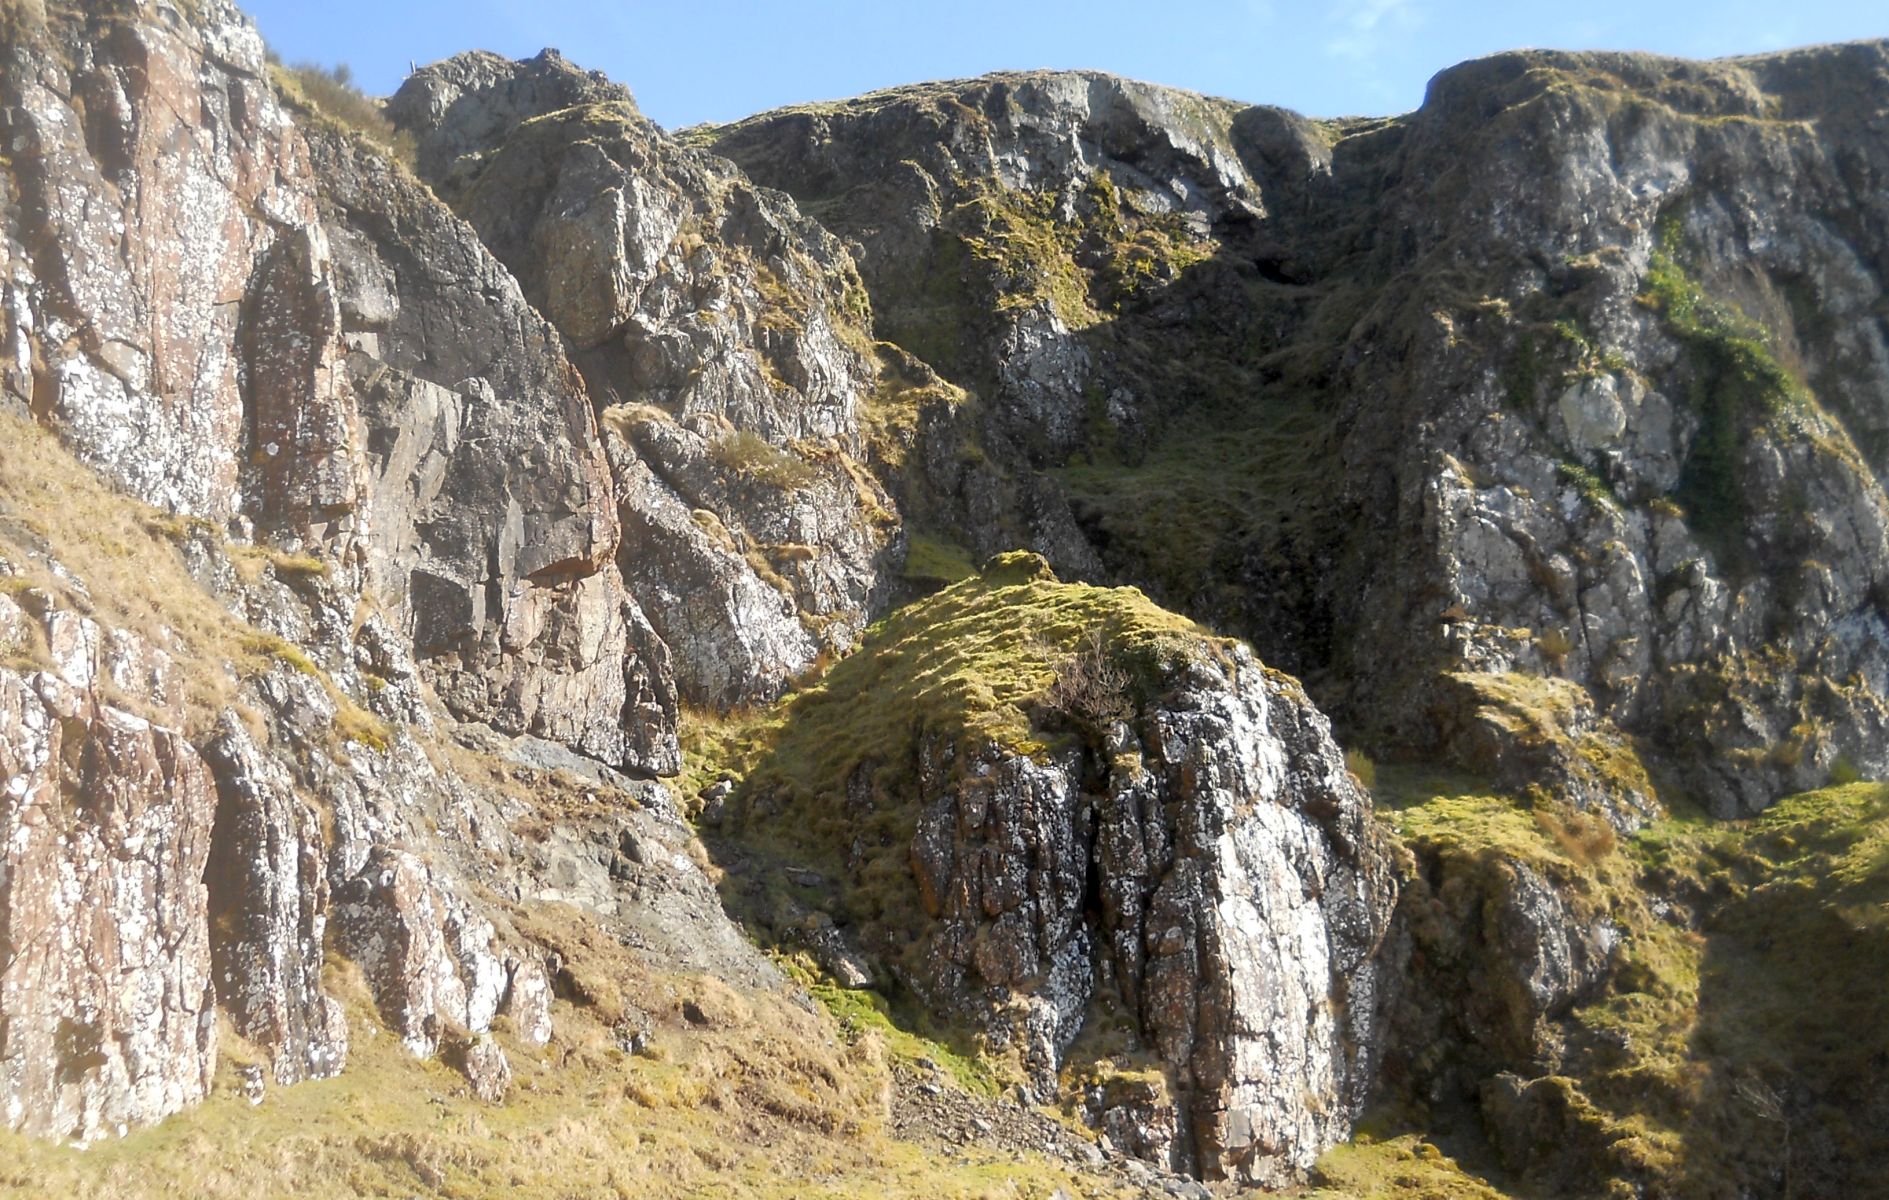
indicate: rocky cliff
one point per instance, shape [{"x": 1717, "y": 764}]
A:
[
  {"x": 1596, "y": 404},
  {"x": 332, "y": 531},
  {"x": 473, "y": 566}
]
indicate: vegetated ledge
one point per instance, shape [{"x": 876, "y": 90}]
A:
[{"x": 1689, "y": 1024}]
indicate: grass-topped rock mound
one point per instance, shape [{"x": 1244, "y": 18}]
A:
[{"x": 1087, "y": 828}]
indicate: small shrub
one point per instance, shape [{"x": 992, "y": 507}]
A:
[
  {"x": 1555, "y": 645},
  {"x": 1089, "y": 685},
  {"x": 1593, "y": 488},
  {"x": 1583, "y": 837}
]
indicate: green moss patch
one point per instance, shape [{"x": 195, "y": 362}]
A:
[
  {"x": 1738, "y": 388},
  {"x": 1186, "y": 516},
  {"x": 1730, "y": 1050},
  {"x": 1403, "y": 1167},
  {"x": 967, "y": 664},
  {"x": 934, "y": 560}
]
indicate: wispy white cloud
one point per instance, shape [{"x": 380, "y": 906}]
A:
[{"x": 1364, "y": 25}]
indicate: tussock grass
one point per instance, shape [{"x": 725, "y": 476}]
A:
[
  {"x": 752, "y": 456},
  {"x": 968, "y": 663},
  {"x": 1404, "y": 1167},
  {"x": 328, "y": 94}
]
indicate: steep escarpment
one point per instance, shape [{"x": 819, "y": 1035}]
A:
[
  {"x": 239, "y": 322},
  {"x": 1104, "y": 264},
  {"x": 341, "y": 542},
  {"x": 1528, "y": 426},
  {"x": 412, "y": 533},
  {"x": 337, "y": 697},
  {"x": 1722, "y": 514},
  {"x": 1598, "y": 406},
  {"x": 726, "y": 336}
]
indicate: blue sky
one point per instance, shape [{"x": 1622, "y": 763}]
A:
[{"x": 715, "y": 60}]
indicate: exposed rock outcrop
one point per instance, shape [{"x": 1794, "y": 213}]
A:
[
  {"x": 260, "y": 325},
  {"x": 165, "y": 862},
  {"x": 237, "y": 317},
  {"x": 1605, "y": 410},
  {"x": 1188, "y": 849},
  {"x": 734, "y": 331},
  {"x": 269, "y": 892},
  {"x": 106, "y": 1000},
  {"x": 1543, "y": 430}
]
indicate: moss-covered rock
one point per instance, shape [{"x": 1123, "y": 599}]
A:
[
  {"x": 1049, "y": 804},
  {"x": 1711, "y": 1050}
]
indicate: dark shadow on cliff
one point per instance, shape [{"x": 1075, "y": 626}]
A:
[
  {"x": 1207, "y": 460},
  {"x": 1793, "y": 1037}
]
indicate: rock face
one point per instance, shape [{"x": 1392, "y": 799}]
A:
[
  {"x": 363, "y": 484},
  {"x": 1689, "y": 486},
  {"x": 268, "y": 884},
  {"x": 733, "y": 332},
  {"x": 1543, "y": 430},
  {"x": 106, "y": 995},
  {"x": 1490, "y": 950},
  {"x": 266, "y": 347},
  {"x": 979, "y": 243},
  {"x": 1611, "y": 412},
  {"x": 1243, "y": 893},
  {"x": 1190, "y": 852},
  {"x": 489, "y": 523}
]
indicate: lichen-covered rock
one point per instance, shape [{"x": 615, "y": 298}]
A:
[
  {"x": 1652, "y": 458},
  {"x": 688, "y": 295},
  {"x": 1149, "y": 823},
  {"x": 130, "y": 238},
  {"x": 470, "y": 104},
  {"x": 485, "y": 1067},
  {"x": 269, "y": 894},
  {"x": 106, "y": 996},
  {"x": 1603, "y": 410},
  {"x": 239, "y": 318},
  {"x": 491, "y": 525}
]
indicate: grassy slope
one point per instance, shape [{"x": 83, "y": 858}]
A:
[
  {"x": 130, "y": 575},
  {"x": 762, "y": 1101}
]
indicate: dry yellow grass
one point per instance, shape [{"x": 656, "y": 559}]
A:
[
  {"x": 757, "y": 1099},
  {"x": 132, "y": 577}
]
